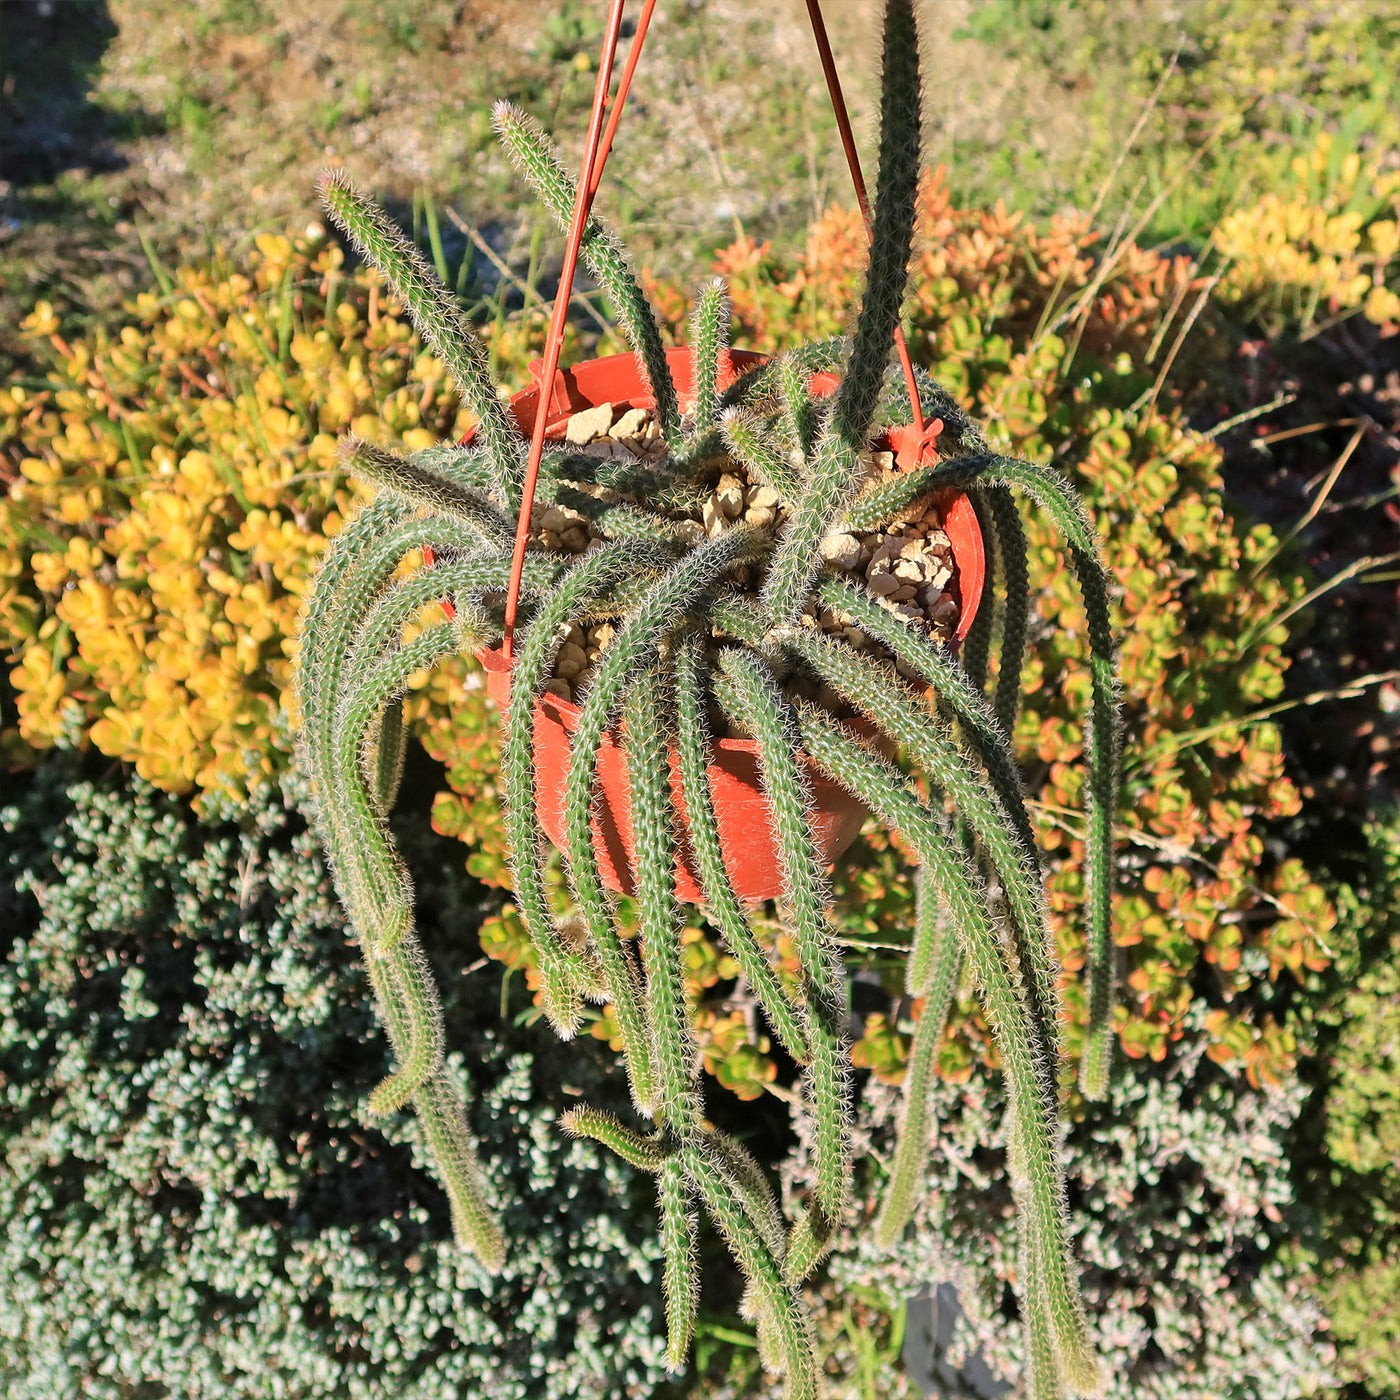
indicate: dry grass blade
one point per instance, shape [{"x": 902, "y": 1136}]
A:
[
  {"x": 1174, "y": 743},
  {"x": 527, "y": 289},
  {"x": 1357, "y": 566},
  {"x": 1249, "y": 415},
  {"x": 1191, "y": 318},
  {"x": 1081, "y": 305},
  {"x": 1333, "y": 473},
  {"x": 1306, "y": 428},
  {"x": 1124, "y": 151}
]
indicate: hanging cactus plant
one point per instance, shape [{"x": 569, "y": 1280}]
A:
[{"x": 713, "y": 622}]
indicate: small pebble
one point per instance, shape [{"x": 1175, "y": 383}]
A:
[
  {"x": 590, "y": 424},
  {"x": 842, "y": 550},
  {"x": 630, "y": 425},
  {"x": 571, "y": 661},
  {"x": 730, "y": 496},
  {"x": 561, "y": 688}
]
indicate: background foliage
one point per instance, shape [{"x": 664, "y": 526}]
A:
[
  {"x": 192, "y": 1204},
  {"x": 166, "y": 452}
]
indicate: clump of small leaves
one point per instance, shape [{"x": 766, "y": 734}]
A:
[{"x": 720, "y": 622}]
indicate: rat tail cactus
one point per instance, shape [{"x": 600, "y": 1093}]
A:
[{"x": 757, "y": 567}]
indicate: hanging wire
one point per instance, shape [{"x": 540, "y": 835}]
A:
[
  {"x": 597, "y": 148},
  {"x": 848, "y": 142},
  {"x": 595, "y": 154},
  {"x": 615, "y": 112}
]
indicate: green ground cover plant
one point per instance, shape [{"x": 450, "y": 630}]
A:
[
  {"x": 1357, "y": 1177},
  {"x": 191, "y": 1204}
]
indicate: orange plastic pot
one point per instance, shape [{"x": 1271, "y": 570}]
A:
[{"x": 741, "y": 808}]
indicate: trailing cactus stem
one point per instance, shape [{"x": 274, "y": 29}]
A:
[
  {"x": 883, "y": 697},
  {"x": 439, "y": 319},
  {"x": 709, "y": 340},
  {"x": 681, "y": 1276},
  {"x": 440, "y": 1114},
  {"x": 445, "y": 497},
  {"x": 1011, "y": 552},
  {"x": 668, "y": 1017},
  {"x": 926, "y": 658},
  {"x": 535, "y": 157},
  {"x": 751, "y": 1190},
  {"x": 370, "y": 877},
  {"x": 787, "y": 1019},
  {"x": 744, "y": 434},
  {"x": 659, "y": 611},
  {"x": 1037, "y": 1176},
  {"x": 832, "y": 477},
  {"x": 836, "y": 467},
  {"x": 808, "y": 1244},
  {"x": 893, "y": 228},
  {"x": 382, "y": 757},
  {"x": 562, "y": 972},
  {"x": 752, "y": 699},
  {"x": 408, "y": 999},
  {"x": 646, "y": 1153},
  {"x": 933, "y": 975},
  {"x": 799, "y": 415},
  {"x": 1045, "y": 1381},
  {"x": 1056, "y": 497},
  {"x": 780, "y": 1305}
]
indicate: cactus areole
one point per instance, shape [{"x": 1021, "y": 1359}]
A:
[{"x": 742, "y": 811}]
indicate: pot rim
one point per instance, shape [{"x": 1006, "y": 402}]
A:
[{"x": 680, "y": 358}]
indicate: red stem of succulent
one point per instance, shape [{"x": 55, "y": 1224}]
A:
[{"x": 848, "y": 141}]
